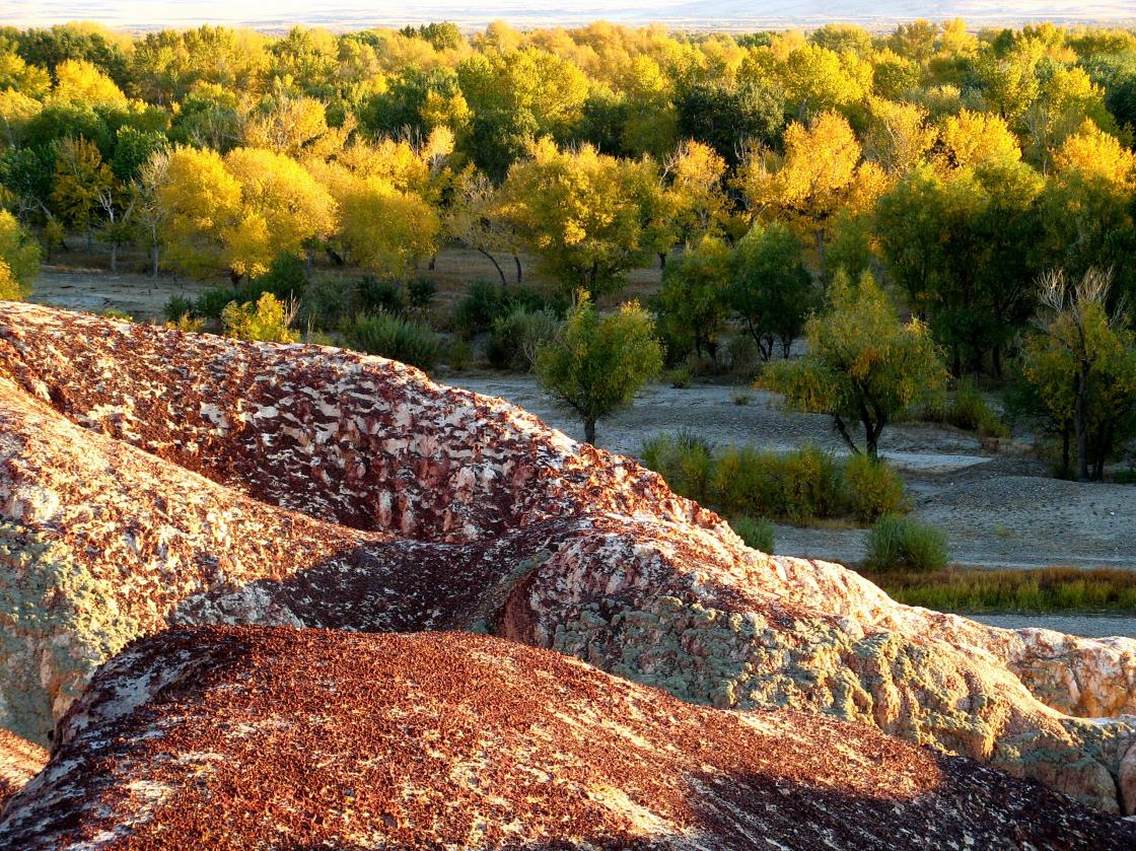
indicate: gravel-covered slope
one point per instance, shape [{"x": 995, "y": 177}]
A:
[{"x": 272, "y": 738}]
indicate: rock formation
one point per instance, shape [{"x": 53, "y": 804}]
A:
[
  {"x": 20, "y": 761},
  {"x": 255, "y": 737},
  {"x": 150, "y": 477}
]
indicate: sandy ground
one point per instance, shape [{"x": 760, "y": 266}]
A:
[
  {"x": 1090, "y": 626},
  {"x": 998, "y": 510},
  {"x": 95, "y": 290}
]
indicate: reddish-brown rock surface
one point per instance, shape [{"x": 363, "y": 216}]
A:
[
  {"x": 273, "y": 738},
  {"x": 150, "y": 477},
  {"x": 20, "y": 761}
]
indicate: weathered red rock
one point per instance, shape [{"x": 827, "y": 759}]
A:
[
  {"x": 273, "y": 738},
  {"x": 150, "y": 477},
  {"x": 20, "y": 761}
]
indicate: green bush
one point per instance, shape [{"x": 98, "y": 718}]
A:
[
  {"x": 517, "y": 336},
  {"x": 679, "y": 378},
  {"x": 967, "y": 409},
  {"x": 757, "y": 534},
  {"x": 378, "y": 295},
  {"x": 901, "y": 543},
  {"x": 286, "y": 279},
  {"x": 420, "y": 293},
  {"x": 872, "y": 489},
  {"x": 970, "y": 411},
  {"x": 177, "y": 307},
  {"x": 327, "y": 302},
  {"x": 459, "y": 355},
  {"x": 798, "y": 487},
  {"x": 213, "y": 301},
  {"x": 485, "y": 302},
  {"x": 393, "y": 337},
  {"x": 685, "y": 460}
]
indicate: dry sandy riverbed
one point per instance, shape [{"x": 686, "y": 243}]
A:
[{"x": 997, "y": 510}]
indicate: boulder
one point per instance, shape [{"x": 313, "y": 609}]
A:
[
  {"x": 268, "y": 737},
  {"x": 151, "y": 478}
]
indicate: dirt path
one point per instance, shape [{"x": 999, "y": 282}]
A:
[{"x": 997, "y": 510}]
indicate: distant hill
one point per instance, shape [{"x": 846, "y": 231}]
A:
[{"x": 716, "y": 14}]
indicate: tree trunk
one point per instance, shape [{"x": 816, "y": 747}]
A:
[
  {"x": 235, "y": 276},
  {"x": 433, "y": 262},
  {"x": 496, "y": 265},
  {"x": 517, "y": 261},
  {"x": 114, "y": 257},
  {"x": 786, "y": 346},
  {"x": 842, "y": 430},
  {"x": 1066, "y": 465},
  {"x": 1080, "y": 417},
  {"x": 663, "y": 260},
  {"x": 154, "y": 260},
  {"x": 590, "y": 430}
]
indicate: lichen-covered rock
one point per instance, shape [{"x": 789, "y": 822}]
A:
[
  {"x": 273, "y": 738},
  {"x": 150, "y": 477},
  {"x": 20, "y": 761}
]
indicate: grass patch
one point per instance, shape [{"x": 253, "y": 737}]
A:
[
  {"x": 900, "y": 543},
  {"x": 1053, "y": 589},
  {"x": 804, "y": 487},
  {"x": 757, "y": 534}
]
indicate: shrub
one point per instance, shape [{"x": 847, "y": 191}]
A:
[
  {"x": 483, "y": 302},
  {"x": 679, "y": 378},
  {"x": 812, "y": 485},
  {"x": 517, "y": 337},
  {"x": 872, "y": 489},
  {"x": 286, "y": 279},
  {"x": 378, "y": 295},
  {"x": 266, "y": 320},
  {"x": 757, "y": 534},
  {"x": 176, "y": 308},
  {"x": 966, "y": 409},
  {"x": 459, "y": 355},
  {"x": 420, "y": 293},
  {"x": 898, "y": 542},
  {"x": 211, "y": 303},
  {"x": 685, "y": 460},
  {"x": 393, "y": 337},
  {"x": 970, "y": 410},
  {"x": 742, "y": 355},
  {"x": 327, "y": 301}
]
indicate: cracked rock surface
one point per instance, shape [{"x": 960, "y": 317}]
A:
[
  {"x": 268, "y": 737},
  {"x": 151, "y": 478}
]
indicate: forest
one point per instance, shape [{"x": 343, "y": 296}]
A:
[{"x": 969, "y": 196}]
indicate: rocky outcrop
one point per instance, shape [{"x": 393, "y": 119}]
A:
[
  {"x": 149, "y": 477},
  {"x": 253, "y": 737},
  {"x": 20, "y": 761}
]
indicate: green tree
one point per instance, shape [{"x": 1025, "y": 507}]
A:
[
  {"x": 1083, "y": 366},
  {"x": 770, "y": 289},
  {"x": 597, "y": 363},
  {"x": 863, "y": 364},
  {"x": 692, "y": 304}
]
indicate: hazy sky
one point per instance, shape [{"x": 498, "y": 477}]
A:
[{"x": 352, "y": 14}]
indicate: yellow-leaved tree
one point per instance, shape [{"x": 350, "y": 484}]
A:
[
  {"x": 820, "y": 174},
  {"x": 582, "y": 212},
  {"x": 19, "y": 259},
  {"x": 240, "y": 211}
]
